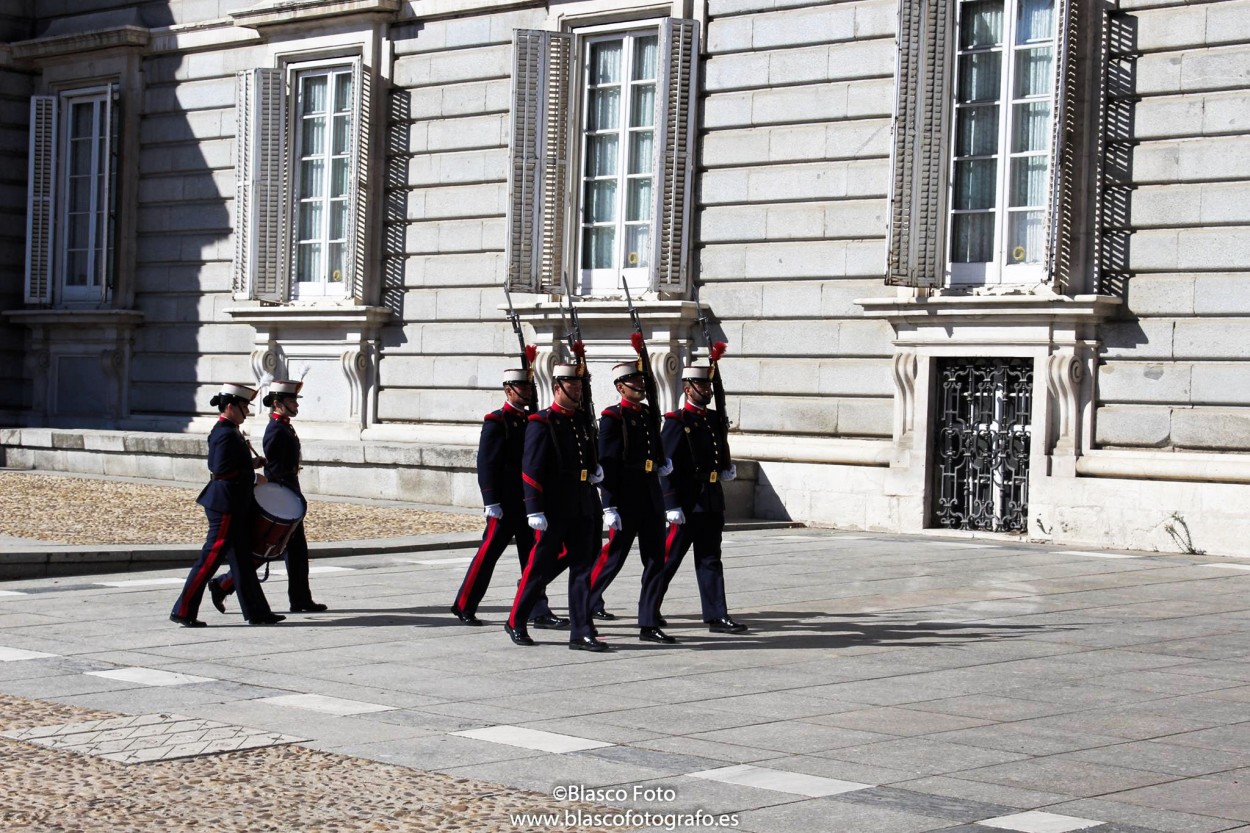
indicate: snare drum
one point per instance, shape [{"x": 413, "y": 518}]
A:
[{"x": 278, "y": 512}]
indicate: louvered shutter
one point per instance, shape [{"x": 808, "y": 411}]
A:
[
  {"x": 41, "y": 199},
  {"x": 1065, "y": 151},
  {"x": 108, "y": 124},
  {"x": 260, "y": 263},
  {"x": 534, "y": 249},
  {"x": 917, "y": 231},
  {"x": 358, "y": 249},
  {"x": 675, "y": 136}
]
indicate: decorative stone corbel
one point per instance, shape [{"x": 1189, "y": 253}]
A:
[
  {"x": 1063, "y": 382},
  {"x": 544, "y": 366},
  {"x": 356, "y": 364},
  {"x": 268, "y": 361},
  {"x": 904, "y": 368},
  {"x": 667, "y": 367}
]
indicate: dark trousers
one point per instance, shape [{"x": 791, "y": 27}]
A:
[
  {"x": 702, "y": 531},
  {"x": 298, "y": 592},
  {"x": 568, "y": 543},
  {"x": 498, "y": 534},
  {"x": 648, "y": 528},
  {"x": 228, "y": 539}
]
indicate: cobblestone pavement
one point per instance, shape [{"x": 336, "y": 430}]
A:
[
  {"x": 77, "y": 510},
  {"x": 888, "y": 684}
]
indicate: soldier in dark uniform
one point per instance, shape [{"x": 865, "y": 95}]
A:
[
  {"x": 562, "y": 508},
  {"x": 634, "y": 469},
  {"x": 499, "y": 477},
  {"x": 282, "y": 464},
  {"x": 227, "y": 501},
  {"x": 697, "y": 505}
]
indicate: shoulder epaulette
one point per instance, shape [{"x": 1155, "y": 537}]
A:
[
  {"x": 538, "y": 417},
  {"x": 612, "y": 411},
  {"x": 493, "y": 416},
  {"x": 673, "y": 415}
]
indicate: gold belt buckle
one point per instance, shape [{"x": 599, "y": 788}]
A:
[
  {"x": 711, "y": 478},
  {"x": 583, "y": 475},
  {"x": 648, "y": 466}
]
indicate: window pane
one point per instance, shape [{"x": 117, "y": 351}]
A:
[
  {"x": 977, "y": 131},
  {"x": 342, "y": 92},
  {"x": 638, "y": 203},
  {"x": 338, "y": 262},
  {"x": 342, "y": 135},
  {"x": 81, "y": 152},
  {"x": 313, "y": 139},
  {"x": 1036, "y": 21},
  {"x": 79, "y": 193},
  {"x": 601, "y": 201},
  {"x": 309, "y": 220},
  {"x": 979, "y": 76},
  {"x": 1028, "y": 181},
  {"x": 972, "y": 238},
  {"x": 601, "y": 156},
  {"x": 1026, "y": 237},
  {"x": 641, "y": 152},
  {"x": 311, "y": 178},
  {"x": 597, "y": 248},
  {"x": 981, "y": 24},
  {"x": 76, "y": 268},
  {"x": 1032, "y": 126},
  {"x": 313, "y": 98},
  {"x": 605, "y": 107},
  {"x": 637, "y": 246},
  {"x": 338, "y": 177},
  {"x": 605, "y": 63},
  {"x": 1034, "y": 72},
  {"x": 308, "y": 263},
  {"x": 338, "y": 220},
  {"x": 975, "y": 181},
  {"x": 642, "y": 106},
  {"x": 645, "y": 52},
  {"x": 78, "y": 233}
]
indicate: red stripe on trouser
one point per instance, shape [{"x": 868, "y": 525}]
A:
[
  {"x": 525, "y": 575},
  {"x": 602, "y": 560},
  {"x": 668, "y": 542},
  {"x": 210, "y": 563},
  {"x": 492, "y": 526}
]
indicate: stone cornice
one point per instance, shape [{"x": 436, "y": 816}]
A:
[
  {"x": 954, "y": 309},
  {"x": 355, "y": 317},
  {"x": 60, "y": 46},
  {"x": 74, "y": 317},
  {"x": 612, "y": 310},
  {"x": 293, "y": 13}
]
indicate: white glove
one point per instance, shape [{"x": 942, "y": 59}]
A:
[
  {"x": 493, "y": 510},
  {"x": 596, "y": 477},
  {"x": 667, "y": 468},
  {"x": 537, "y": 521},
  {"x": 611, "y": 518},
  {"x": 675, "y": 516},
  {"x": 729, "y": 473}
]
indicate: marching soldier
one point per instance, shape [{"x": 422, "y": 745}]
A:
[
  {"x": 227, "y": 502},
  {"x": 282, "y": 464},
  {"x": 499, "y": 454},
  {"x": 634, "y": 470},
  {"x": 696, "y": 504},
  {"x": 562, "y": 508}
]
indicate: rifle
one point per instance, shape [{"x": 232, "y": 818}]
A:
[
  {"x": 648, "y": 375},
  {"x": 716, "y": 349},
  {"x": 578, "y": 349},
  {"x": 529, "y": 352}
]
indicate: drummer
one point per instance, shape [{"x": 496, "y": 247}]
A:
[
  {"x": 227, "y": 501},
  {"x": 282, "y": 458}
]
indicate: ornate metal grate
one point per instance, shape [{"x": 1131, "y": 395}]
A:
[{"x": 983, "y": 438}]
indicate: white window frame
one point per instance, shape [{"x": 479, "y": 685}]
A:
[{"x": 1001, "y": 270}]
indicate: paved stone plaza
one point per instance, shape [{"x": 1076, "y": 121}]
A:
[{"x": 888, "y": 685}]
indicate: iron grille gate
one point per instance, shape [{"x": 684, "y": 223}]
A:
[{"x": 983, "y": 439}]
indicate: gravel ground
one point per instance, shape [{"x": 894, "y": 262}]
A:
[
  {"x": 280, "y": 788},
  {"x": 71, "y": 510}
]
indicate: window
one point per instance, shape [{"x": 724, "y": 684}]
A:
[
  {"x": 624, "y": 106},
  {"x": 302, "y": 177},
  {"x": 69, "y": 248},
  {"x": 987, "y": 141},
  {"x": 1004, "y": 81}
]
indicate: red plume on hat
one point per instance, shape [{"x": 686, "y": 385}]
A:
[
  {"x": 531, "y": 352},
  {"x": 718, "y": 350},
  {"x": 579, "y": 349},
  {"x": 636, "y": 340}
]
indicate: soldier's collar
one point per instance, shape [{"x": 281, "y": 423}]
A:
[
  {"x": 631, "y": 406},
  {"x": 508, "y": 406},
  {"x": 280, "y": 417},
  {"x": 564, "y": 411},
  {"x": 690, "y": 406}
]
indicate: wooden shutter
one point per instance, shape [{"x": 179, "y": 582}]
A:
[
  {"x": 917, "y": 234},
  {"x": 261, "y": 261},
  {"x": 677, "y": 90},
  {"x": 1063, "y": 213},
  {"x": 41, "y": 199},
  {"x": 537, "y": 176},
  {"x": 358, "y": 248}
]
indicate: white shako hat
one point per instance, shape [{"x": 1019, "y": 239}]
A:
[
  {"x": 626, "y": 369},
  {"x": 515, "y": 375},
  {"x": 238, "y": 390},
  {"x": 566, "y": 371},
  {"x": 277, "y": 390},
  {"x": 698, "y": 370}
]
